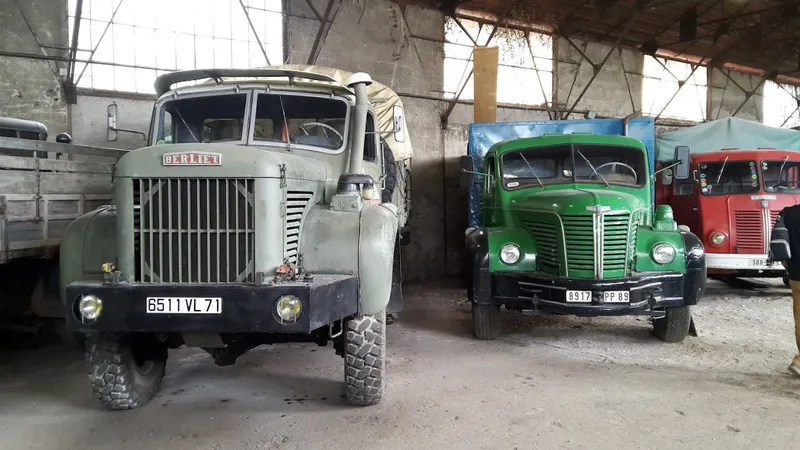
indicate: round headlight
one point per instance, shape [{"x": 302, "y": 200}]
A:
[
  {"x": 288, "y": 309},
  {"x": 509, "y": 254},
  {"x": 717, "y": 238},
  {"x": 90, "y": 307},
  {"x": 663, "y": 253}
]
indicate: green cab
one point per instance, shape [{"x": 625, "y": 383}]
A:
[{"x": 568, "y": 227}]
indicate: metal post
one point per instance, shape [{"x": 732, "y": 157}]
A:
[{"x": 253, "y": 29}]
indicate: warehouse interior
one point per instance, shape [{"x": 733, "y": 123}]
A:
[{"x": 548, "y": 382}]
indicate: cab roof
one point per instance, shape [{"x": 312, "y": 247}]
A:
[{"x": 559, "y": 139}]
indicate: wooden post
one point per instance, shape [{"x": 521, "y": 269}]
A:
[{"x": 485, "y": 85}]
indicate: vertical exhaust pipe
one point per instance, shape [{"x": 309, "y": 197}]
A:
[{"x": 358, "y": 82}]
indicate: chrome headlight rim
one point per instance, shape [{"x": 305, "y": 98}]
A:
[
  {"x": 288, "y": 309},
  {"x": 663, "y": 253},
  {"x": 718, "y": 236},
  {"x": 90, "y": 307},
  {"x": 510, "y": 254}
]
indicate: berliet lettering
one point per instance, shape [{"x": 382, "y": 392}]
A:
[{"x": 192, "y": 159}]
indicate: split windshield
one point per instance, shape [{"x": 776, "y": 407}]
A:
[
  {"x": 574, "y": 163},
  {"x": 728, "y": 177},
  {"x": 304, "y": 120}
]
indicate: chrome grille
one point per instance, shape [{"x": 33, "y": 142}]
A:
[
  {"x": 749, "y": 232},
  {"x": 296, "y": 202},
  {"x": 194, "y": 230}
]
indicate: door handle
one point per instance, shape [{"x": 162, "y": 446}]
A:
[{"x": 695, "y": 209}]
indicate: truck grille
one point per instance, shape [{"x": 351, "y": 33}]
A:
[
  {"x": 296, "y": 202},
  {"x": 749, "y": 232},
  {"x": 194, "y": 230},
  {"x": 578, "y": 239}
]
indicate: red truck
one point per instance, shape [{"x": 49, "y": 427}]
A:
[{"x": 731, "y": 200}]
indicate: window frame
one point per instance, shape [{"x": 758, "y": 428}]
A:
[{"x": 759, "y": 183}]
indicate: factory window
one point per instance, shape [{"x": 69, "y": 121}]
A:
[
  {"x": 662, "y": 94},
  {"x": 125, "y": 44},
  {"x": 525, "y": 72},
  {"x": 781, "y": 105}
]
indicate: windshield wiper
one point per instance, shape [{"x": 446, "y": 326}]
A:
[
  {"x": 180, "y": 116},
  {"x": 592, "y": 167},
  {"x": 719, "y": 177},
  {"x": 780, "y": 172},
  {"x": 532, "y": 171}
]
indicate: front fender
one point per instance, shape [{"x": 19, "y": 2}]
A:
[
  {"x": 694, "y": 284},
  {"x": 88, "y": 242},
  {"x": 352, "y": 243}
]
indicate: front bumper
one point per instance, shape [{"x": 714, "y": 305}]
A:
[
  {"x": 737, "y": 262},
  {"x": 649, "y": 293},
  {"x": 245, "y": 308}
]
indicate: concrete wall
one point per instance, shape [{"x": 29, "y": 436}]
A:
[
  {"x": 398, "y": 45},
  {"x": 30, "y": 89},
  {"x": 728, "y": 97}
]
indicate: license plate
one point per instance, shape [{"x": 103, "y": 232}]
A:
[
  {"x": 184, "y": 305},
  {"x": 608, "y": 296},
  {"x": 579, "y": 296},
  {"x": 758, "y": 262}
]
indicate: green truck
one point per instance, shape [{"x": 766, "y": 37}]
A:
[{"x": 568, "y": 227}]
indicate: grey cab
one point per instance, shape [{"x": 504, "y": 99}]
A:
[{"x": 269, "y": 207}]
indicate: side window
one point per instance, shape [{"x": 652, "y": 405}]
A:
[
  {"x": 489, "y": 180},
  {"x": 370, "y": 150}
]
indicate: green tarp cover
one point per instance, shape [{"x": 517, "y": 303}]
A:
[{"x": 731, "y": 132}]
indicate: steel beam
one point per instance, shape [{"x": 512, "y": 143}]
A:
[
  {"x": 322, "y": 31},
  {"x": 255, "y": 33},
  {"x": 73, "y": 50},
  {"x": 103, "y": 35}
]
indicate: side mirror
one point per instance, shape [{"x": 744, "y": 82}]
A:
[
  {"x": 682, "y": 162},
  {"x": 466, "y": 170},
  {"x": 63, "y": 138}
]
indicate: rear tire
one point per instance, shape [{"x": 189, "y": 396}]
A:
[
  {"x": 364, "y": 359},
  {"x": 486, "y": 323},
  {"x": 125, "y": 371},
  {"x": 674, "y": 326}
]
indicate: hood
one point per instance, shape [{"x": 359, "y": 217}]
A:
[
  {"x": 575, "y": 201},
  {"x": 217, "y": 161}
]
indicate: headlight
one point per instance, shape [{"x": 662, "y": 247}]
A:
[
  {"x": 509, "y": 254},
  {"x": 288, "y": 309},
  {"x": 90, "y": 307},
  {"x": 717, "y": 238},
  {"x": 663, "y": 253}
]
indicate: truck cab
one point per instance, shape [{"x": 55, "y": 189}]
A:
[
  {"x": 568, "y": 227},
  {"x": 731, "y": 201},
  {"x": 254, "y": 216}
]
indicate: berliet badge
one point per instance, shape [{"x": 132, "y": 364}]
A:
[
  {"x": 598, "y": 209},
  {"x": 192, "y": 159}
]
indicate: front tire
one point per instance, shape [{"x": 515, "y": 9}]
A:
[
  {"x": 486, "y": 323},
  {"x": 364, "y": 359},
  {"x": 125, "y": 372},
  {"x": 674, "y": 326}
]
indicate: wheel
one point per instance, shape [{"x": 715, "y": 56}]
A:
[
  {"x": 486, "y": 321},
  {"x": 125, "y": 372},
  {"x": 786, "y": 281},
  {"x": 364, "y": 359},
  {"x": 674, "y": 326}
]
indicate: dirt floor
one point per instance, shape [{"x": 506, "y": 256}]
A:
[{"x": 548, "y": 382}]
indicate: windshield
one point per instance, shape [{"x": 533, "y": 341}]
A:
[
  {"x": 604, "y": 164},
  {"x": 301, "y": 119},
  {"x": 207, "y": 118},
  {"x": 780, "y": 177},
  {"x": 728, "y": 177}
]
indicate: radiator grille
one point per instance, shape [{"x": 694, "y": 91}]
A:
[
  {"x": 194, "y": 230},
  {"x": 579, "y": 233},
  {"x": 548, "y": 240},
  {"x": 749, "y": 232},
  {"x": 615, "y": 244},
  {"x": 296, "y": 202}
]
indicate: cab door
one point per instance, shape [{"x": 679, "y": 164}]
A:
[
  {"x": 489, "y": 192},
  {"x": 685, "y": 202}
]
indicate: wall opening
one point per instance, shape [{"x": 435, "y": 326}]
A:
[{"x": 662, "y": 94}]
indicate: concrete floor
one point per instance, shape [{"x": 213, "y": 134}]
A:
[{"x": 549, "y": 382}]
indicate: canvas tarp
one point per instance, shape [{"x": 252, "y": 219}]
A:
[
  {"x": 384, "y": 101},
  {"x": 731, "y": 132}
]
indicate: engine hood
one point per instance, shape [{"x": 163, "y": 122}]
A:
[
  {"x": 217, "y": 161},
  {"x": 576, "y": 201}
]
